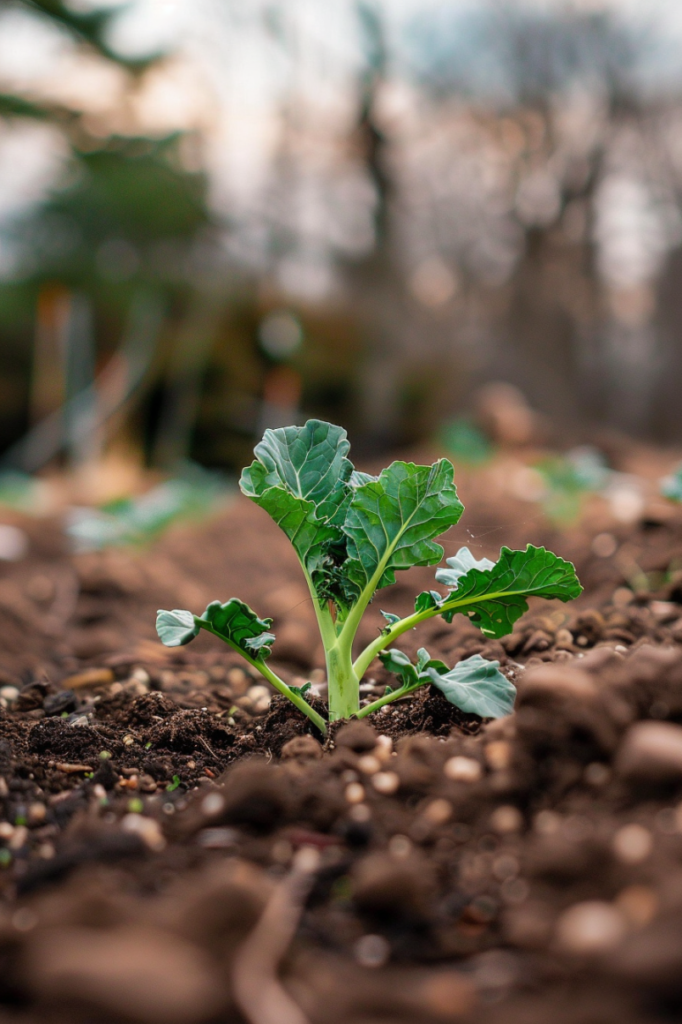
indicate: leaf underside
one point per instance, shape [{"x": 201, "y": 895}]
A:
[
  {"x": 176, "y": 628},
  {"x": 476, "y": 686}
]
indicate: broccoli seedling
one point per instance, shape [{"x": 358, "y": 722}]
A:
[{"x": 351, "y": 532}]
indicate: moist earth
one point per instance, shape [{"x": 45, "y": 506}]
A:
[{"x": 179, "y": 845}]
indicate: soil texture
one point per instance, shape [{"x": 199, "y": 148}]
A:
[{"x": 179, "y": 846}]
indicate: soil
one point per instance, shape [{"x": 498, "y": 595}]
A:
[{"x": 178, "y": 845}]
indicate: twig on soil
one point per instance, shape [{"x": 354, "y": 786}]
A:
[{"x": 257, "y": 989}]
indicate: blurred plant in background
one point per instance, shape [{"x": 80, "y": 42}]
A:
[{"x": 238, "y": 214}]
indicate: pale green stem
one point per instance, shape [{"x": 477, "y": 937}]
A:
[
  {"x": 398, "y": 628},
  {"x": 389, "y": 697},
  {"x": 271, "y": 677}
]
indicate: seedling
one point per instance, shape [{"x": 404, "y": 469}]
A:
[{"x": 351, "y": 532}]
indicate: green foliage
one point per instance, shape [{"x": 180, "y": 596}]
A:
[
  {"x": 352, "y": 532},
  {"x": 235, "y": 622},
  {"x": 477, "y": 686},
  {"x": 301, "y": 478},
  {"x": 474, "y": 685},
  {"x": 495, "y": 596},
  {"x": 391, "y": 522}
]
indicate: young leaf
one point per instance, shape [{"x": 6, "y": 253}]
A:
[
  {"x": 427, "y": 599},
  {"x": 301, "y": 478},
  {"x": 494, "y": 598},
  {"x": 176, "y": 628},
  {"x": 240, "y": 626},
  {"x": 400, "y": 665},
  {"x": 391, "y": 522},
  {"x": 460, "y": 565},
  {"x": 476, "y": 686},
  {"x": 411, "y": 675},
  {"x": 300, "y": 690}
]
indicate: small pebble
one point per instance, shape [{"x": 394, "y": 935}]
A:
[
  {"x": 547, "y": 822},
  {"x": 217, "y": 838},
  {"x": 506, "y": 819},
  {"x": 9, "y": 693},
  {"x": 368, "y": 764},
  {"x": 604, "y": 545},
  {"x": 24, "y": 919},
  {"x": 651, "y": 752},
  {"x": 462, "y": 769},
  {"x": 36, "y": 813},
  {"x": 498, "y": 755},
  {"x": 146, "y": 828},
  {"x": 438, "y": 812},
  {"x": 639, "y": 903},
  {"x": 355, "y": 793},
  {"x": 632, "y": 843},
  {"x": 399, "y": 846},
  {"x": 14, "y": 543},
  {"x": 19, "y": 838},
  {"x": 505, "y": 866},
  {"x": 89, "y": 677},
  {"x": 212, "y": 804},
  {"x": 386, "y": 783},
  {"x": 590, "y": 927},
  {"x": 372, "y": 951},
  {"x": 360, "y": 813},
  {"x": 384, "y": 748},
  {"x": 597, "y": 774}
]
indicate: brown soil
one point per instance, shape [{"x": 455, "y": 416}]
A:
[{"x": 177, "y": 845}]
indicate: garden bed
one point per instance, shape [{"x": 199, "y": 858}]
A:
[{"x": 179, "y": 845}]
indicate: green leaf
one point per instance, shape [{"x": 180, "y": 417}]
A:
[
  {"x": 235, "y": 622},
  {"x": 426, "y": 600},
  {"x": 300, "y": 690},
  {"x": 477, "y": 686},
  {"x": 411, "y": 675},
  {"x": 176, "y": 628},
  {"x": 494, "y": 598},
  {"x": 301, "y": 478},
  {"x": 391, "y": 522},
  {"x": 400, "y": 665}
]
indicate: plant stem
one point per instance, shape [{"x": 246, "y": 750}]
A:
[
  {"x": 271, "y": 676},
  {"x": 370, "y": 652},
  {"x": 344, "y": 692},
  {"x": 404, "y": 691}
]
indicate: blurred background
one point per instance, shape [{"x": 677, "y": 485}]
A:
[{"x": 419, "y": 219}]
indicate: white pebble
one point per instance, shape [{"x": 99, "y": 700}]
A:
[
  {"x": 386, "y": 783},
  {"x": 632, "y": 843},
  {"x": 506, "y": 819},
  {"x": 590, "y": 927},
  {"x": 372, "y": 951},
  {"x": 368, "y": 764},
  {"x": 212, "y": 804},
  {"x": 13, "y": 543},
  {"x": 462, "y": 769},
  {"x": 355, "y": 793},
  {"x": 147, "y": 829}
]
